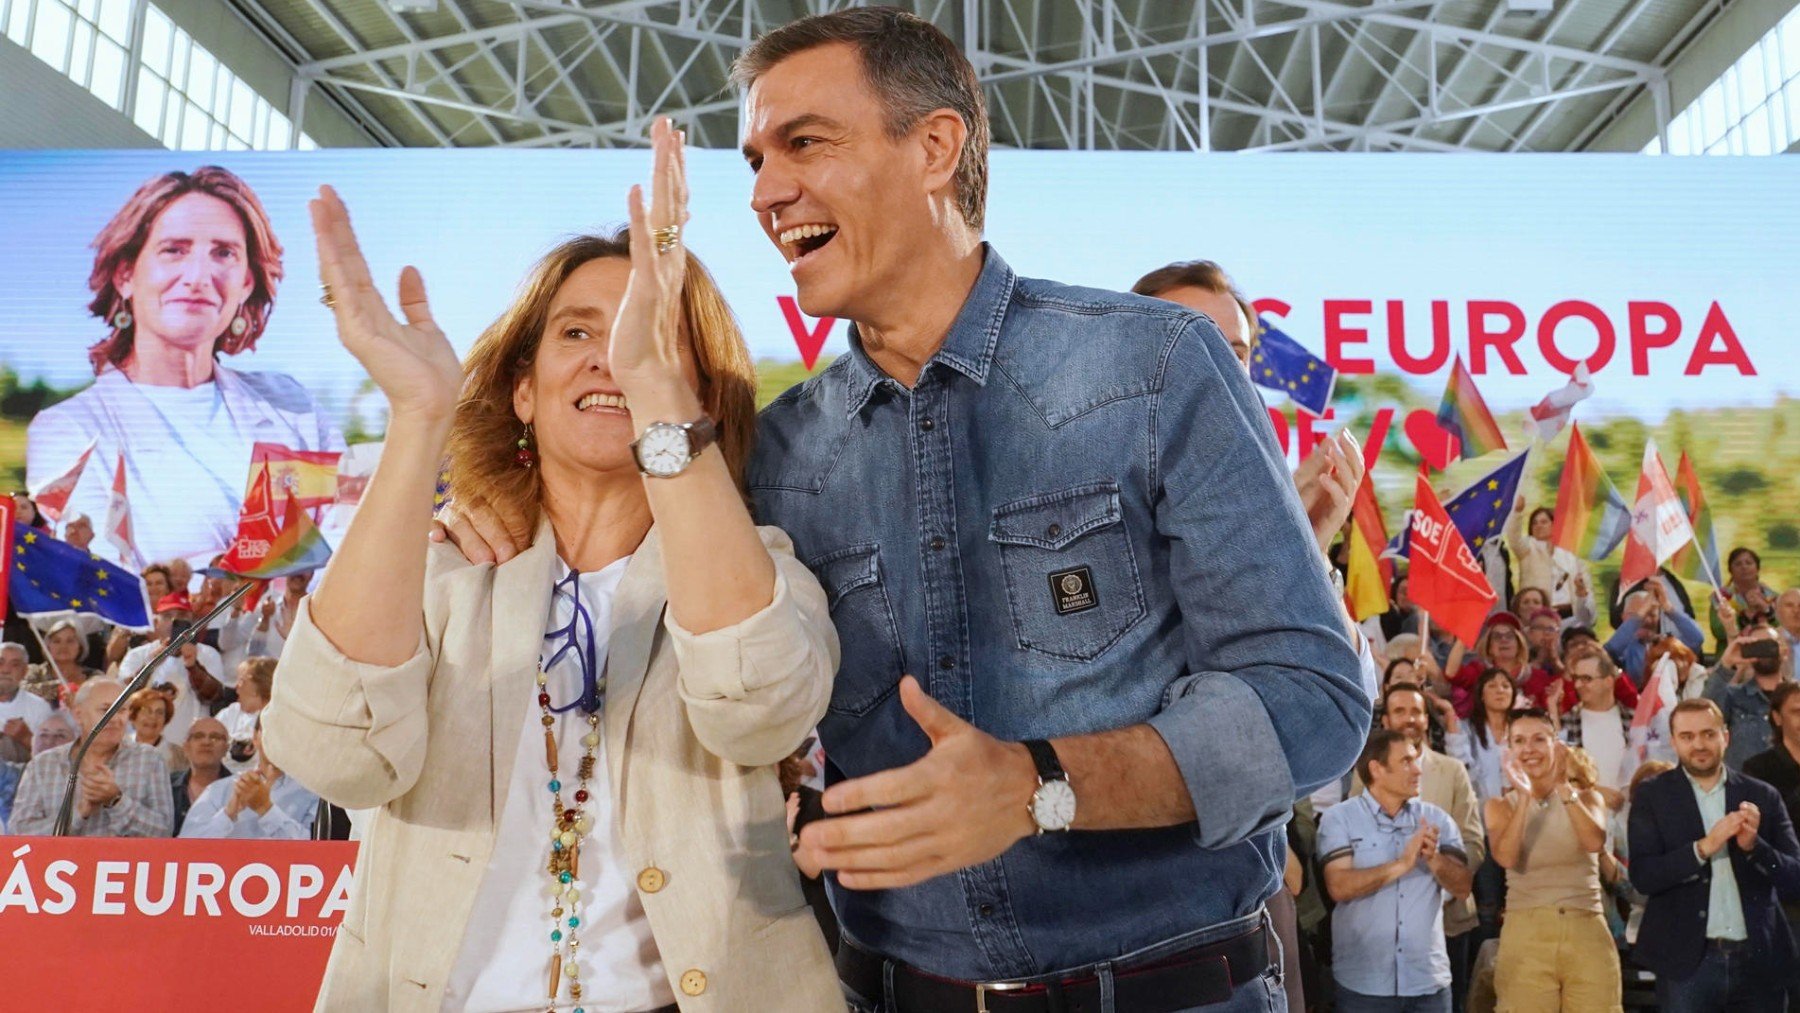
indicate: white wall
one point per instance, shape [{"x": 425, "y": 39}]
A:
[{"x": 44, "y": 109}]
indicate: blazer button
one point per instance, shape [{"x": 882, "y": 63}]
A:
[
  {"x": 651, "y": 880},
  {"x": 693, "y": 983}
]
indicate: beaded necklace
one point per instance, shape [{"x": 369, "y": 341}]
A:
[{"x": 570, "y": 825}]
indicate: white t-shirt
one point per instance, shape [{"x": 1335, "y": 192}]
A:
[
  {"x": 504, "y": 963},
  {"x": 33, "y": 708},
  {"x": 188, "y": 707},
  {"x": 1603, "y": 736}
]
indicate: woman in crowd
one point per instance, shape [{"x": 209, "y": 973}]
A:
[
  {"x": 204, "y": 756},
  {"x": 1744, "y": 598},
  {"x": 58, "y": 677},
  {"x": 1495, "y": 694},
  {"x": 148, "y": 712},
  {"x": 1500, "y": 645},
  {"x": 1541, "y": 564},
  {"x": 644, "y": 603},
  {"x": 255, "y": 685},
  {"x": 1674, "y": 673},
  {"x": 184, "y": 274}
]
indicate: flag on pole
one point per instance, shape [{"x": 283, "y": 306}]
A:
[
  {"x": 50, "y": 575},
  {"x": 118, "y": 520},
  {"x": 1698, "y": 559},
  {"x": 1283, "y": 364},
  {"x": 1591, "y": 516},
  {"x": 1367, "y": 576},
  {"x": 262, "y": 550},
  {"x": 1465, "y": 415},
  {"x": 310, "y": 476},
  {"x": 1548, "y": 417},
  {"x": 1445, "y": 579},
  {"x": 52, "y": 497},
  {"x": 1479, "y": 511},
  {"x": 1659, "y": 524}
]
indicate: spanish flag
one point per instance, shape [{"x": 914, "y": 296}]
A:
[
  {"x": 310, "y": 477},
  {"x": 1368, "y": 574}
]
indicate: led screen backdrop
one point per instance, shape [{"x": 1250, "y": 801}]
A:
[{"x": 1674, "y": 278}]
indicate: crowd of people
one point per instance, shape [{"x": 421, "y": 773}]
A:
[
  {"x": 1553, "y": 817},
  {"x": 183, "y": 757}
]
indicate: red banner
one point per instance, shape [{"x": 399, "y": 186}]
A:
[{"x": 170, "y": 924}]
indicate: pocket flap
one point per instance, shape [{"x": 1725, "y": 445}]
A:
[
  {"x": 1053, "y": 520},
  {"x": 844, "y": 570}
]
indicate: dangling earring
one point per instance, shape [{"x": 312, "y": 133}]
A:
[
  {"x": 524, "y": 457},
  {"x": 239, "y": 325},
  {"x": 121, "y": 319}
]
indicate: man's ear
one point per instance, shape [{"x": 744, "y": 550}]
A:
[{"x": 941, "y": 135}]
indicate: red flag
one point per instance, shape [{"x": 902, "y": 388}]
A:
[
  {"x": 1659, "y": 523},
  {"x": 118, "y": 520},
  {"x": 1445, "y": 580},
  {"x": 52, "y": 497},
  {"x": 256, "y": 526}
]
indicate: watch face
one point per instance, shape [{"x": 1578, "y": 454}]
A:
[
  {"x": 663, "y": 450},
  {"x": 1053, "y": 807}
]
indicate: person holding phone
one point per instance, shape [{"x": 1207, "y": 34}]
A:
[{"x": 1743, "y": 684}]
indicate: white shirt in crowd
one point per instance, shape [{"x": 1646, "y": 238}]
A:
[
  {"x": 505, "y": 957},
  {"x": 1603, "y": 736},
  {"x": 239, "y": 639},
  {"x": 241, "y": 726},
  {"x": 188, "y": 707},
  {"x": 29, "y": 706}
]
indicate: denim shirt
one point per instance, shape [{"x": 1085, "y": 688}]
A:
[{"x": 1077, "y": 520}]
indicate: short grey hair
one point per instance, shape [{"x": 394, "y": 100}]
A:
[
  {"x": 912, "y": 67},
  {"x": 9, "y": 645},
  {"x": 92, "y": 686}
]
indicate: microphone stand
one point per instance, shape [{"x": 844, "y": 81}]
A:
[{"x": 66, "y": 815}]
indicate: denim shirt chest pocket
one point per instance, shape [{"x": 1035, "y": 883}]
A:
[
  {"x": 869, "y": 669},
  {"x": 1072, "y": 580}
]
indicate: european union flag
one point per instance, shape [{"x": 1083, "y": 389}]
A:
[
  {"x": 1480, "y": 511},
  {"x": 48, "y": 575},
  {"x": 1281, "y": 363}
]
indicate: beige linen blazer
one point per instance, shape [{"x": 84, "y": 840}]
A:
[{"x": 693, "y": 727}]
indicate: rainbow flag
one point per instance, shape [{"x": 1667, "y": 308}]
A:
[
  {"x": 1591, "y": 517},
  {"x": 1698, "y": 559},
  {"x": 1463, "y": 414},
  {"x": 1367, "y": 574},
  {"x": 261, "y": 550}
]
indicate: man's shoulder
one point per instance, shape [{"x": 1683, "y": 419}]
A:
[
  {"x": 1050, "y": 321},
  {"x": 1748, "y": 783}
]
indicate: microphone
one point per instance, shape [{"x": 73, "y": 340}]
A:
[{"x": 66, "y": 814}]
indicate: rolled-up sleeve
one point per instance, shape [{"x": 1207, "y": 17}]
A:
[
  {"x": 354, "y": 733},
  {"x": 755, "y": 689},
  {"x": 1272, "y": 706}
]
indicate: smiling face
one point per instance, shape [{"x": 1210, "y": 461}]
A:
[
  {"x": 1592, "y": 685},
  {"x": 1504, "y": 646},
  {"x": 1542, "y": 525},
  {"x": 578, "y": 415},
  {"x": 848, "y": 206},
  {"x": 1407, "y": 713},
  {"x": 191, "y": 277},
  {"x": 150, "y": 720},
  {"x": 1533, "y": 742}
]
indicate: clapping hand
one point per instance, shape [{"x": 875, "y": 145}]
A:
[
  {"x": 412, "y": 362},
  {"x": 1749, "y": 822},
  {"x": 646, "y": 345},
  {"x": 1515, "y": 773},
  {"x": 1327, "y": 481}
]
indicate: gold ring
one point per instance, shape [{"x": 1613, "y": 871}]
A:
[
  {"x": 667, "y": 237},
  {"x": 325, "y": 297}
]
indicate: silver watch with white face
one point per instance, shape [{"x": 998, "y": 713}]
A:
[
  {"x": 1053, "y": 804},
  {"x": 667, "y": 448}
]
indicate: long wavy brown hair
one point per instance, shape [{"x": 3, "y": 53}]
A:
[
  {"x": 484, "y": 436},
  {"x": 123, "y": 238}
]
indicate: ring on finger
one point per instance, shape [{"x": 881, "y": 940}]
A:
[
  {"x": 325, "y": 297},
  {"x": 667, "y": 237}
]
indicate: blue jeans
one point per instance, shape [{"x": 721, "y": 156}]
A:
[
  {"x": 1722, "y": 982},
  {"x": 1356, "y": 1002},
  {"x": 1265, "y": 993}
]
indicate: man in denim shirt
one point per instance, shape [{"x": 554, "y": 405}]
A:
[{"x": 1063, "y": 510}]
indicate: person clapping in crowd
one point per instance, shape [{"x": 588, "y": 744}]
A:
[
  {"x": 21, "y": 711},
  {"x": 255, "y": 683},
  {"x": 1712, "y": 848},
  {"x": 1501, "y": 645},
  {"x": 123, "y": 788},
  {"x": 1647, "y": 618},
  {"x": 1601, "y": 725},
  {"x": 1743, "y": 684},
  {"x": 204, "y": 753},
  {"x": 257, "y": 803},
  {"x": 1556, "y": 951}
]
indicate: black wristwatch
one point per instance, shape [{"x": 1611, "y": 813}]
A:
[{"x": 1053, "y": 804}]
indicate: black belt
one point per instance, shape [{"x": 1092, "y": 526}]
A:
[{"x": 1196, "y": 977}]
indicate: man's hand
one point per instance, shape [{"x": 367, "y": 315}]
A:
[
  {"x": 1327, "y": 481},
  {"x": 17, "y": 730},
  {"x": 256, "y": 791},
  {"x": 964, "y": 803},
  {"x": 1749, "y": 821},
  {"x": 202, "y": 682},
  {"x": 97, "y": 788},
  {"x": 1414, "y": 852},
  {"x": 477, "y": 530},
  {"x": 1446, "y": 712},
  {"x": 1553, "y": 698},
  {"x": 1581, "y": 584},
  {"x": 1722, "y": 833},
  {"x": 240, "y": 798}
]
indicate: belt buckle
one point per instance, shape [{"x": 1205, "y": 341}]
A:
[{"x": 982, "y": 988}]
